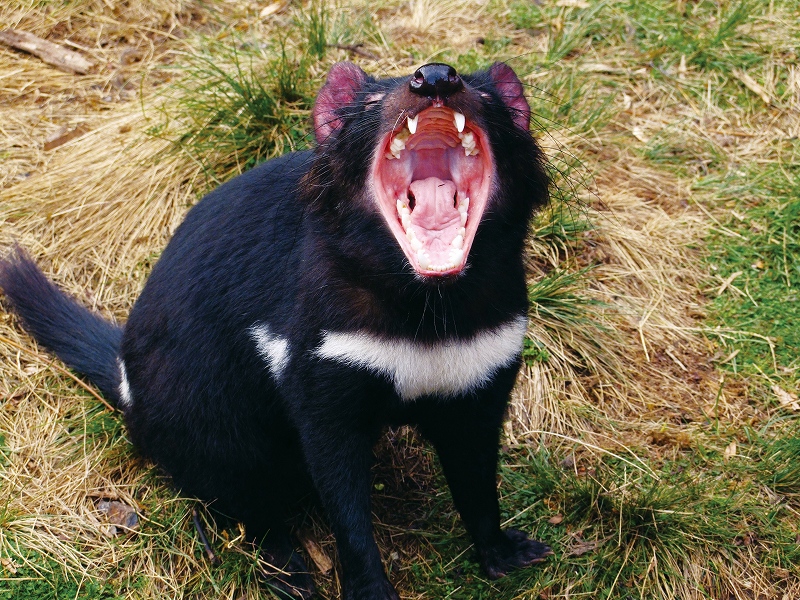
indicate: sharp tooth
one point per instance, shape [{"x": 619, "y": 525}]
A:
[
  {"x": 463, "y": 216},
  {"x": 464, "y": 205},
  {"x": 460, "y": 121},
  {"x": 405, "y": 220},
  {"x": 456, "y": 255},
  {"x": 400, "y": 205},
  {"x": 416, "y": 244},
  {"x": 412, "y": 124},
  {"x": 423, "y": 260},
  {"x": 462, "y": 232},
  {"x": 458, "y": 242}
]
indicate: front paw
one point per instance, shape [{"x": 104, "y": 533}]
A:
[{"x": 513, "y": 550}]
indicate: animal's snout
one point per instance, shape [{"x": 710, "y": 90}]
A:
[{"x": 435, "y": 80}]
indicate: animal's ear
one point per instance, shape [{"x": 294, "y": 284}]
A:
[
  {"x": 510, "y": 89},
  {"x": 344, "y": 82}
]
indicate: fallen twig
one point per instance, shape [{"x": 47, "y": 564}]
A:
[{"x": 52, "y": 54}]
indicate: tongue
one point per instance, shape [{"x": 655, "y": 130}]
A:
[{"x": 434, "y": 220}]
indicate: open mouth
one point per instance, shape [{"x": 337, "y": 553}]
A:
[{"x": 431, "y": 178}]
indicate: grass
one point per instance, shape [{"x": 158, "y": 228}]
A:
[
  {"x": 653, "y": 436},
  {"x": 242, "y": 105},
  {"x": 758, "y": 252}
]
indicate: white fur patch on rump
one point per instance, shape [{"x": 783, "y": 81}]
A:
[
  {"x": 125, "y": 395},
  {"x": 273, "y": 348},
  {"x": 448, "y": 368}
]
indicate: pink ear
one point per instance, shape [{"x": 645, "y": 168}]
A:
[
  {"x": 511, "y": 91},
  {"x": 341, "y": 87}
]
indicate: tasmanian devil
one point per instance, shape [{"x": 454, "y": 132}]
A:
[{"x": 305, "y": 305}]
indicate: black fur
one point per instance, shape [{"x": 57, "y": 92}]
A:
[
  {"x": 81, "y": 338},
  {"x": 297, "y": 243}
]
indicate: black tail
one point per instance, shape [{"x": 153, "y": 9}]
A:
[{"x": 79, "y": 337}]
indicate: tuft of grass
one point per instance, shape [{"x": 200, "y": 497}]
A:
[
  {"x": 705, "y": 34},
  {"x": 239, "y": 106},
  {"x": 781, "y": 465},
  {"x": 317, "y": 26},
  {"x": 568, "y": 26}
]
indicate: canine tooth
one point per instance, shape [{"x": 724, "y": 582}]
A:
[
  {"x": 400, "y": 205},
  {"x": 464, "y": 204},
  {"x": 456, "y": 255},
  {"x": 463, "y": 218},
  {"x": 412, "y": 124},
  {"x": 458, "y": 242},
  {"x": 405, "y": 220},
  {"x": 460, "y": 121},
  {"x": 423, "y": 260},
  {"x": 416, "y": 244},
  {"x": 462, "y": 232}
]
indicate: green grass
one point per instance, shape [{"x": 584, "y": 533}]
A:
[
  {"x": 240, "y": 105},
  {"x": 607, "y": 520},
  {"x": 757, "y": 247},
  {"x": 48, "y": 582}
]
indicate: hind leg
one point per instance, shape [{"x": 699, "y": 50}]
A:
[
  {"x": 282, "y": 566},
  {"x": 260, "y": 498}
]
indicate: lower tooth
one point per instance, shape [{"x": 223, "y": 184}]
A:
[
  {"x": 456, "y": 255},
  {"x": 423, "y": 260},
  {"x": 416, "y": 244},
  {"x": 458, "y": 242}
]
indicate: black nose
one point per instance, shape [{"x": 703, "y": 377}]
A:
[{"x": 435, "y": 80}]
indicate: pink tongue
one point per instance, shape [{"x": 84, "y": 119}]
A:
[{"x": 434, "y": 220}]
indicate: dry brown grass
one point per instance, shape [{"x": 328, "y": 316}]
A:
[{"x": 96, "y": 210}]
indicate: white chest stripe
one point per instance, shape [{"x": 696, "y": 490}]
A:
[
  {"x": 125, "y": 396},
  {"x": 448, "y": 368},
  {"x": 274, "y": 349}
]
